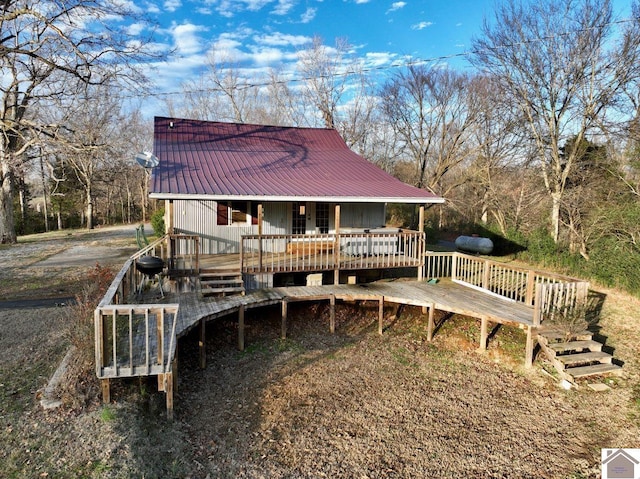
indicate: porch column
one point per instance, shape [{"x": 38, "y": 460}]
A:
[
  {"x": 260, "y": 219},
  {"x": 336, "y": 247},
  {"x": 168, "y": 216},
  {"x": 421, "y": 245}
]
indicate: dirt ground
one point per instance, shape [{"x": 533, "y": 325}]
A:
[{"x": 349, "y": 405}]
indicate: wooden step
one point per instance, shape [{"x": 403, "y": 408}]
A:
[
  {"x": 219, "y": 282},
  {"x": 557, "y": 336},
  {"x": 583, "y": 358},
  {"x": 593, "y": 370},
  {"x": 578, "y": 346},
  {"x": 228, "y": 289},
  {"x": 218, "y": 272}
]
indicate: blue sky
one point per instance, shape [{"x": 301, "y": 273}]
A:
[{"x": 264, "y": 34}]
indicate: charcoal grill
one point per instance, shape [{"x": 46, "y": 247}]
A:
[{"x": 150, "y": 267}]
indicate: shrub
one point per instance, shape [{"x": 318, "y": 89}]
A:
[
  {"x": 157, "y": 222},
  {"x": 82, "y": 384}
]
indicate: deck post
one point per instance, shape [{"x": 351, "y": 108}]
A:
[
  {"x": 202, "y": 343},
  {"x": 430, "y": 323},
  {"x": 483, "y": 333},
  {"x": 529, "y": 294},
  {"x": 486, "y": 267},
  {"x": 106, "y": 390},
  {"x": 332, "y": 313},
  {"x": 336, "y": 246},
  {"x": 168, "y": 390},
  {"x": 283, "y": 326},
  {"x": 241, "y": 328},
  {"x": 528, "y": 356},
  {"x": 421, "y": 245},
  {"x": 380, "y": 314},
  {"x": 260, "y": 218}
]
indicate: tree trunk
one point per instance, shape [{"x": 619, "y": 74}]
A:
[
  {"x": 7, "y": 224},
  {"x": 555, "y": 216},
  {"x": 89, "y": 209}
]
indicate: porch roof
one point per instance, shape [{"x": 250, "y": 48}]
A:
[{"x": 212, "y": 160}]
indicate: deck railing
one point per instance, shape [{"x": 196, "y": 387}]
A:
[
  {"x": 547, "y": 292},
  {"x": 135, "y": 340},
  {"x": 325, "y": 252},
  {"x": 122, "y": 328}
]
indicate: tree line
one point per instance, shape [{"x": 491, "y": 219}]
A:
[{"x": 536, "y": 142}]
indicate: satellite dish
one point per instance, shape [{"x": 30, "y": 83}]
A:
[{"x": 147, "y": 159}]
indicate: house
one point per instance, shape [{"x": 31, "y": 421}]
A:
[{"x": 255, "y": 189}]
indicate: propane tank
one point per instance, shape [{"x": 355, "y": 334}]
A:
[{"x": 474, "y": 244}]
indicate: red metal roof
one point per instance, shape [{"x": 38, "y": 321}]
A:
[{"x": 225, "y": 160}]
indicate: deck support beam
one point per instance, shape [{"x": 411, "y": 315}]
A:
[
  {"x": 202, "y": 343},
  {"x": 105, "y": 385},
  {"x": 241, "y": 328},
  {"x": 430, "y": 322},
  {"x": 283, "y": 325},
  {"x": 332, "y": 313},
  {"x": 380, "y": 314},
  {"x": 484, "y": 323}
]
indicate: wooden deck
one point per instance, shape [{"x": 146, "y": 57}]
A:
[
  {"x": 443, "y": 296},
  {"x": 141, "y": 339},
  {"x": 143, "y": 356}
]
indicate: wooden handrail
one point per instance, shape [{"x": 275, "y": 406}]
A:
[
  {"x": 326, "y": 252},
  {"x": 543, "y": 290}
]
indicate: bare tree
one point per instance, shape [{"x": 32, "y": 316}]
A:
[
  {"x": 552, "y": 58},
  {"x": 431, "y": 114},
  {"x": 43, "y": 44},
  {"x": 326, "y": 73},
  {"x": 91, "y": 141}
]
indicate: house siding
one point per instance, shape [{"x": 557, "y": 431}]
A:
[{"x": 199, "y": 217}]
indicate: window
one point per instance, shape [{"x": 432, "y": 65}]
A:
[{"x": 238, "y": 213}]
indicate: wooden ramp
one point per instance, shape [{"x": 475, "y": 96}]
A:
[
  {"x": 443, "y": 296},
  {"x": 141, "y": 340}
]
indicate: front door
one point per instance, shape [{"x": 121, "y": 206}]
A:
[{"x": 298, "y": 217}]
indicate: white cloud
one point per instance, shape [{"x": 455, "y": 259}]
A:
[
  {"x": 374, "y": 59},
  {"x": 284, "y": 6},
  {"x": 136, "y": 28},
  {"x": 361, "y": 2},
  {"x": 153, "y": 8},
  {"x": 396, "y": 6},
  {"x": 421, "y": 25},
  {"x": 204, "y": 10},
  {"x": 172, "y": 5},
  {"x": 309, "y": 15},
  {"x": 185, "y": 38},
  {"x": 282, "y": 40}
]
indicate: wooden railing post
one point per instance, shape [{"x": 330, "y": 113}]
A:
[
  {"x": 454, "y": 267},
  {"x": 531, "y": 281},
  {"x": 486, "y": 268},
  {"x": 537, "y": 306}
]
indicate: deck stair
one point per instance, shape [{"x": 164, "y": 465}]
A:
[
  {"x": 577, "y": 355},
  {"x": 221, "y": 282}
]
